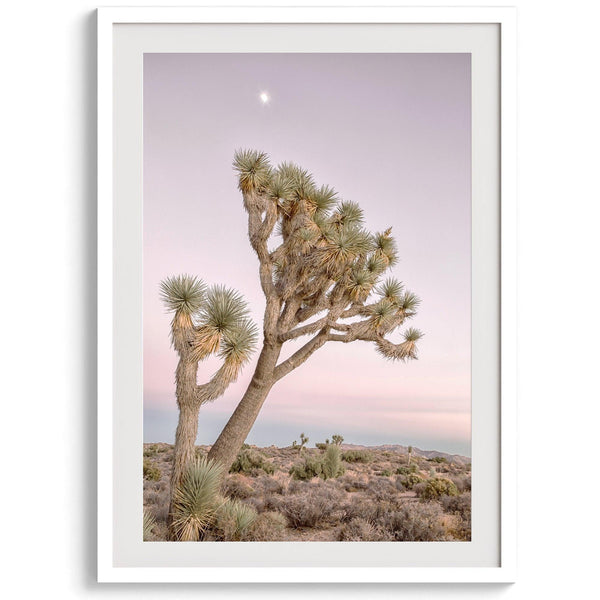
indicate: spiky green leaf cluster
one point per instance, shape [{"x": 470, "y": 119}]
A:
[
  {"x": 183, "y": 293},
  {"x": 224, "y": 309},
  {"x": 253, "y": 168},
  {"x": 195, "y": 499}
]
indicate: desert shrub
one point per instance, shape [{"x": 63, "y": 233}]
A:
[
  {"x": 438, "y": 487},
  {"x": 233, "y": 520},
  {"x": 357, "y": 456},
  {"x": 432, "y": 472},
  {"x": 269, "y": 485},
  {"x": 332, "y": 462},
  {"x": 407, "y": 470},
  {"x": 148, "y": 525},
  {"x": 236, "y": 486},
  {"x": 151, "y": 473},
  {"x": 462, "y": 482},
  {"x": 151, "y": 497},
  {"x": 411, "y": 480},
  {"x": 416, "y": 522},
  {"x": 309, "y": 468},
  {"x": 151, "y": 451},
  {"x": 267, "y": 527},
  {"x": 321, "y": 446},
  {"x": 399, "y": 485},
  {"x": 386, "y": 473},
  {"x": 360, "y": 530},
  {"x": 459, "y": 505},
  {"x": 354, "y": 483},
  {"x": 195, "y": 499},
  {"x": 251, "y": 462},
  {"x": 438, "y": 459},
  {"x": 419, "y": 488},
  {"x": 311, "y": 508}
]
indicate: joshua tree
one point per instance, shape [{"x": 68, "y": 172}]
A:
[
  {"x": 324, "y": 271},
  {"x": 337, "y": 439},
  {"x": 303, "y": 442},
  {"x": 205, "y": 322},
  {"x": 409, "y": 454}
]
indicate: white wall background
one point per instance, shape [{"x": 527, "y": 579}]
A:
[{"x": 47, "y": 240}]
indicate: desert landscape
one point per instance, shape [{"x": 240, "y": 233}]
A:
[{"x": 332, "y": 492}]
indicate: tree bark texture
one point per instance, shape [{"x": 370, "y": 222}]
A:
[{"x": 238, "y": 427}]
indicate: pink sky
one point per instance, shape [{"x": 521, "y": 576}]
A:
[{"x": 390, "y": 131}]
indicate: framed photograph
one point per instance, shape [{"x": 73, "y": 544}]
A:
[{"x": 306, "y": 294}]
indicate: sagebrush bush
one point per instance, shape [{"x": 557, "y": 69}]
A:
[
  {"x": 233, "y": 520},
  {"x": 321, "y": 446},
  {"x": 459, "y": 505},
  {"x": 309, "y": 468},
  {"x": 357, "y": 456},
  {"x": 151, "y": 451},
  {"x": 332, "y": 462},
  {"x": 251, "y": 462},
  {"x": 151, "y": 473},
  {"x": 437, "y": 487},
  {"x": 268, "y": 527},
  {"x": 326, "y": 466},
  {"x": 196, "y": 499},
  {"x": 416, "y": 522},
  {"x": 311, "y": 508},
  {"x": 411, "y": 480},
  {"x": 361, "y": 530},
  {"x": 407, "y": 470},
  {"x": 236, "y": 486}
]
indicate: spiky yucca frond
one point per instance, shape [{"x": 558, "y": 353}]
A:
[
  {"x": 386, "y": 247},
  {"x": 343, "y": 246},
  {"x": 253, "y": 168},
  {"x": 300, "y": 180},
  {"x": 409, "y": 302},
  {"x": 233, "y": 520},
  {"x": 148, "y": 525},
  {"x": 280, "y": 187},
  {"x": 391, "y": 289},
  {"x": 240, "y": 342},
  {"x": 324, "y": 199},
  {"x": 412, "y": 334},
  {"x": 376, "y": 264},
  {"x": 360, "y": 284},
  {"x": 195, "y": 499},
  {"x": 404, "y": 351},
  {"x": 348, "y": 213},
  {"x": 382, "y": 314},
  {"x": 223, "y": 309},
  {"x": 183, "y": 294}
]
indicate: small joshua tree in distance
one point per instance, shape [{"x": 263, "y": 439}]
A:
[
  {"x": 303, "y": 441},
  {"x": 326, "y": 270},
  {"x": 205, "y": 322},
  {"x": 337, "y": 439}
]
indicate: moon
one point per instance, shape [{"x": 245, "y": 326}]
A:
[{"x": 264, "y": 97}]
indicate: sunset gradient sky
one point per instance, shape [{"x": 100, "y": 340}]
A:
[{"x": 390, "y": 131}]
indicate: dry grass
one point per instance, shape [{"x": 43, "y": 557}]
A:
[{"x": 371, "y": 501}]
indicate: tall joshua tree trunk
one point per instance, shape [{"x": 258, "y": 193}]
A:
[
  {"x": 238, "y": 427},
  {"x": 189, "y": 411},
  {"x": 323, "y": 273},
  {"x": 204, "y": 323}
]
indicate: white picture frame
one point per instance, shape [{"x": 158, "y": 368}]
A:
[{"x": 110, "y": 292}]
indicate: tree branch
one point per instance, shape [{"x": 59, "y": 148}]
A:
[{"x": 300, "y": 356}]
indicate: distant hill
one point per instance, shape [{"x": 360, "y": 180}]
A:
[{"x": 452, "y": 458}]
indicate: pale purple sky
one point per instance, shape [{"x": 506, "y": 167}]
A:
[{"x": 390, "y": 131}]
